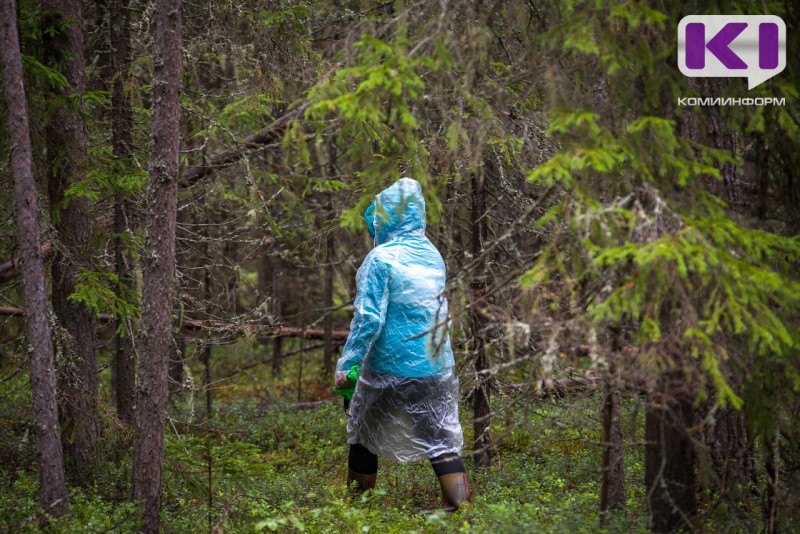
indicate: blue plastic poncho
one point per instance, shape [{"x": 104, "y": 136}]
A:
[{"x": 405, "y": 406}]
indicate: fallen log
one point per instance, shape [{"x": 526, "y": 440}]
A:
[{"x": 265, "y": 332}]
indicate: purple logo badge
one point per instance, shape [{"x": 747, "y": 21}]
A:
[{"x": 746, "y": 46}]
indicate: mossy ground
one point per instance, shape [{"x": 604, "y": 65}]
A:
[{"x": 272, "y": 466}]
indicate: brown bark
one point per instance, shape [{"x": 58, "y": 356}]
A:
[
  {"x": 277, "y": 312},
  {"x": 264, "y": 282},
  {"x": 121, "y": 126},
  {"x": 53, "y": 497},
  {"x": 481, "y": 409},
  {"x": 772, "y": 494},
  {"x": 158, "y": 265},
  {"x": 763, "y": 176},
  {"x": 330, "y": 258},
  {"x": 67, "y": 142},
  {"x": 124, "y": 369},
  {"x": 267, "y": 332},
  {"x": 730, "y": 453},
  {"x": 207, "y": 379},
  {"x": 330, "y": 347},
  {"x": 207, "y": 346},
  {"x": 612, "y": 487},
  {"x": 670, "y": 476}
]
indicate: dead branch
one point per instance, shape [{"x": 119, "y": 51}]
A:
[
  {"x": 266, "y": 135},
  {"x": 264, "y": 332},
  {"x": 10, "y": 269}
]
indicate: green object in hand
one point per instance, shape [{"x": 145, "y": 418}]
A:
[{"x": 347, "y": 392}]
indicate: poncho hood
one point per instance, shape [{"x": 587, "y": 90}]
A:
[
  {"x": 398, "y": 210},
  {"x": 400, "y": 320}
]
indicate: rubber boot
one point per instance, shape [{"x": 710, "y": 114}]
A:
[
  {"x": 362, "y": 482},
  {"x": 455, "y": 490}
]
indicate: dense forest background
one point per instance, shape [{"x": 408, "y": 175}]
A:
[{"x": 623, "y": 270}]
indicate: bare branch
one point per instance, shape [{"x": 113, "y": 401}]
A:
[
  {"x": 266, "y": 135},
  {"x": 10, "y": 269}
]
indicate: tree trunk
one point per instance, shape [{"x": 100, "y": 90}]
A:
[
  {"x": 53, "y": 497},
  {"x": 772, "y": 497},
  {"x": 612, "y": 489},
  {"x": 730, "y": 452},
  {"x": 670, "y": 476},
  {"x": 480, "y": 398},
  {"x": 121, "y": 125},
  {"x": 67, "y": 142},
  {"x": 330, "y": 258},
  {"x": 158, "y": 265},
  {"x": 207, "y": 379},
  {"x": 277, "y": 312},
  {"x": 176, "y": 370},
  {"x": 328, "y": 350},
  {"x": 264, "y": 284},
  {"x": 763, "y": 177},
  {"x": 207, "y": 345}
]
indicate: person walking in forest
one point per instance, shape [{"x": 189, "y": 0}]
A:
[{"x": 405, "y": 405}]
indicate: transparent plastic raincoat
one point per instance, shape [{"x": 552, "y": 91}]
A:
[{"x": 405, "y": 405}]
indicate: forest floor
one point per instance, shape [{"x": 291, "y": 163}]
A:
[{"x": 264, "y": 462}]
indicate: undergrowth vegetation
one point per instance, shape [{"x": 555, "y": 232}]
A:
[{"x": 266, "y": 462}]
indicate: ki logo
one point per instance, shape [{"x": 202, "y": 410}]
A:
[{"x": 724, "y": 46}]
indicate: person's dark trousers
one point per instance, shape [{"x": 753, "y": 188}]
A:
[
  {"x": 452, "y": 475},
  {"x": 449, "y": 468},
  {"x": 362, "y": 468}
]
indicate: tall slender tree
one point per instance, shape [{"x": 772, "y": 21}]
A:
[
  {"x": 158, "y": 264},
  {"x": 612, "y": 477},
  {"x": 670, "y": 457},
  {"x": 480, "y": 396},
  {"x": 276, "y": 270},
  {"x": 67, "y": 141},
  {"x": 121, "y": 125},
  {"x": 53, "y": 497},
  {"x": 328, "y": 349}
]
